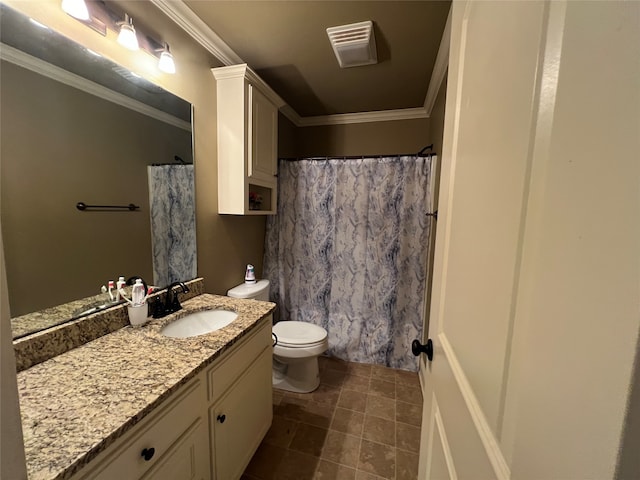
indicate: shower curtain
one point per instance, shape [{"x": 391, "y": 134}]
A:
[
  {"x": 347, "y": 251},
  {"x": 173, "y": 223}
]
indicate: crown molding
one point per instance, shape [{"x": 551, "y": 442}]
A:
[
  {"x": 365, "y": 117},
  {"x": 291, "y": 114},
  {"x": 21, "y": 59},
  {"x": 184, "y": 17},
  {"x": 244, "y": 71},
  {"x": 440, "y": 67}
]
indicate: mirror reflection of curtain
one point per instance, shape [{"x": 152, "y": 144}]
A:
[
  {"x": 173, "y": 223},
  {"x": 348, "y": 251}
]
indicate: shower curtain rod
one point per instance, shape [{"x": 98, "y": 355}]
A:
[{"x": 421, "y": 153}]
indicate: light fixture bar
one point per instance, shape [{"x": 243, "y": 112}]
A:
[{"x": 101, "y": 17}]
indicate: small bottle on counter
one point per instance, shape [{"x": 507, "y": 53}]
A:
[
  {"x": 119, "y": 284},
  {"x": 138, "y": 293},
  {"x": 112, "y": 287}
]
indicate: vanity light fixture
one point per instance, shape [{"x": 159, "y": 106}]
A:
[
  {"x": 127, "y": 36},
  {"x": 103, "y": 17},
  {"x": 76, "y": 8},
  {"x": 166, "y": 64}
]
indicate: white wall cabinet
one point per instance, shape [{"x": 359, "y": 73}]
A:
[
  {"x": 263, "y": 132},
  {"x": 208, "y": 430},
  {"x": 247, "y": 142}
]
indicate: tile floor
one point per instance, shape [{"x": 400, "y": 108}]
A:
[{"x": 362, "y": 423}]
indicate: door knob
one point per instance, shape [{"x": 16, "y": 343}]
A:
[{"x": 417, "y": 348}]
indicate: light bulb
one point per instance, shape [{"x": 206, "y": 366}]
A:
[
  {"x": 127, "y": 36},
  {"x": 76, "y": 8},
  {"x": 165, "y": 64}
]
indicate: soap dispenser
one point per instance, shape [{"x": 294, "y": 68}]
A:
[{"x": 250, "y": 275}]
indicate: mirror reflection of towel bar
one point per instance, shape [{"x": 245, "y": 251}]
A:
[{"x": 83, "y": 206}]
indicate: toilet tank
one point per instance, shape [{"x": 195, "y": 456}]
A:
[{"x": 255, "y": 291}]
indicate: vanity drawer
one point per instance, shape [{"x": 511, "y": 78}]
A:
[
  {"x": 159, "y": 432},
  {"x": 234, "y": 363}
]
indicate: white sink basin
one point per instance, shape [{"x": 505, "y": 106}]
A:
[{"x": 199, "y": 323}]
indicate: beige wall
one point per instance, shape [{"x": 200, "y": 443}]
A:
[
  {"x": 60, "y": 146},
  {"x": 376, "y": 138},
  {"x": 287, "y": 133}
]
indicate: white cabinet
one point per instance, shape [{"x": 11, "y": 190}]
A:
[
  {"x": 172, "y": 438},
  {"x": 185, "y": 459},
  {"x": 241, "y": 418},
  {"x": 263, "y": 132},
  {"x": 247, "y": 118},
  {"x": 241, "y": 411}
]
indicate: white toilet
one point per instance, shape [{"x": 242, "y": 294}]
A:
[{"x": 295, "y": 355}]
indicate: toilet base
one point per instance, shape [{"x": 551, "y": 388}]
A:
[{"x": 299, "y": 375}]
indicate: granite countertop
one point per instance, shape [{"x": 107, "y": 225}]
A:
[{"x": 76, "y": 404}]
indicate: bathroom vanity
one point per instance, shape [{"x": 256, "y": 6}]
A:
[{"x": 137, "y": 404}]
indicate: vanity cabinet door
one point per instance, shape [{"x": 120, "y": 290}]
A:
[
  {"x": 234, "y": 363},
  {"x": 162, "y": 438},
  {"x": 240, "y": 420},
  {"x": 188, "y": 458}
]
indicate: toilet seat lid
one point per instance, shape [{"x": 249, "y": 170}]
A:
[{"x": 292, "y": 333}]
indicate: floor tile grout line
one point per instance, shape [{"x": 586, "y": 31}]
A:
[{"x": 340, "y": 387}]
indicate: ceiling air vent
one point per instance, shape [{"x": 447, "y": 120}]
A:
[{"x": 354, "y": 44}]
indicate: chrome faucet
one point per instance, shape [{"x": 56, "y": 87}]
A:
[{"x": 172, "y": 304}]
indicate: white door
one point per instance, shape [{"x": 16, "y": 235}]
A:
[{"x": 537, "y": 243}]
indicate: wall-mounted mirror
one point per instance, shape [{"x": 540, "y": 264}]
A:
[{"x": 78, "y": 128}]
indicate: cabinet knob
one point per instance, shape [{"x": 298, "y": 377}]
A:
[
  {"x": 418, "y": 348},
  {"x": 148, "y": 453},
  {"x": 221, "y": 418}
]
